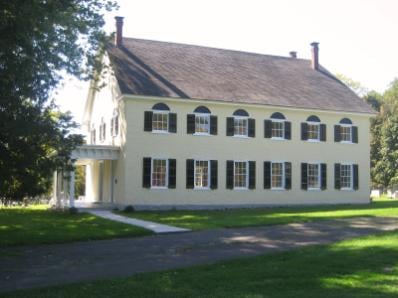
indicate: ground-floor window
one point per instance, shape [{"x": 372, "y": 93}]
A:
[
  {"x": 202, "y": 171},
  {"x": 240, "y": 174},
  {"x": 313, "y": 176},
  {"x": 346, "y": 176},
  {"x": 277, "y": 175},
  {"x": 159, "y": 173}
]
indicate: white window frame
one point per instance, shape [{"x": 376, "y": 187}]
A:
[
  {"x": 319, "y": 176},
  {"x": 283, "y": 175},
  {"x": 247, "y": 175},
  {"x": 318, "y": 124},
  {"x": 102, "y": 131},
  {"x": 246, "y": 135},
  {"x": 167, "y": 124},
  {"x": 199, "y": 133},
  {"x": 351, "y": 177},
  {"x": 346, "y": 126},
  {"x": 113, "y": 125},
  {"x": 283, "y": 129},
  {"x": 208, "y": 174},
  {"x": 93, "y": 135},
  {"x": 167, "y": 173}
]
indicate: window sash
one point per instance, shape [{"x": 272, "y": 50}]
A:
[
  {"x": 241, "y": 174},
  {"x": 278, "y": 129},
  {"x": 346, "y": 133},
  {"x": 313, "y": 130},
  {"x": 202, "y": 123},
  {"x": 313, "y": 176},
  {"x": 202, "y": 174},
  {"x": 277, "y": 175},
  {"x": 241, "y": 126},
  {"x": 159, "y": 173},
  {"x": 160, "y": 121},
  {"x": 346, "y": 176}
]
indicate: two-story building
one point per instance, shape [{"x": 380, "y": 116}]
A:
[{"x": 198, "y": 127}]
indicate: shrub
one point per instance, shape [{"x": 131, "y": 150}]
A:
[{"x": 128, "y": 209}]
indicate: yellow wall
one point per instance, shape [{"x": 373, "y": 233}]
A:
[{"x": 181, "y": 146}]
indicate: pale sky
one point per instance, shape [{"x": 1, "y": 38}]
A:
[{"x": 357, "y": 37}]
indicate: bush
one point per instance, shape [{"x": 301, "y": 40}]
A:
[{"x": 128, "y": 209}]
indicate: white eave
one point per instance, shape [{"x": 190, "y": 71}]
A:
[{"x": 86, "y": 153}]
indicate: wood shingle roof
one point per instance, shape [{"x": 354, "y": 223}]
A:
[{"x": 153, "y": 68}]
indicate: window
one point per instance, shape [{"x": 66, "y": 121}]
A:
[
  {"x": 278, "y": 129},
  {"x": 240, "y": 174},
  {"x": 277, "y": 175},
  {"x": 115, "y": 125},
  {"x": 93, "y": 135},
  {"x": 102, "y": 130},
  {"x": 159, "y": 173},
  {"x": 345, "y": 133},
  {"x": 202, "y": 123},
  {"x": 313, "y": 131},
  {"x": 240, "y": 126},
  {"x": 202, "y": 174},
  {"x": 160, "y": 121},
  {"x": 313, "y": 177},
  {"x": 346, "y": 176}
]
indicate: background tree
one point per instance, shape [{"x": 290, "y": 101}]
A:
[{"x": 41, "y": 41}]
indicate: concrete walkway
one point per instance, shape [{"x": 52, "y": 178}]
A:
[
  {"x": 46, "y": 265},
  {"x": 153, "y": 226}
]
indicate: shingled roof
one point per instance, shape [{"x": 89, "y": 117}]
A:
[{"x": 163, "y": 69}]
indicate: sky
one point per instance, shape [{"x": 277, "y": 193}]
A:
[{"x": 357, "y": 37}]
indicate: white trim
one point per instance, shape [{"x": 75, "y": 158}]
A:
[
  {"x": 208, "y": 175},
  {"x": 167, "y": 173},
  {"x": 215, "y": 102},
  {"x": 247, "y": 176},
  {"x": 283, "y": 176}
]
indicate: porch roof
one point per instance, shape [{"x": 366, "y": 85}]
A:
[{"x": 85, "y": 153}]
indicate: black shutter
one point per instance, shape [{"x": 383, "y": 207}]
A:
[
  {"x": 148, "y": 121},
  {"x": 288, "y": 175},
  {"x": 288, "y": 130},
  {"x": 214, "y": 174},
  {"x": 173, "y": 122},
  {"x": 190, "y": 167},
  {"x": 304, "y": 131},
  {"x": 190, "y": 123},
  {"x": 213, "y": 125},
  {"x": 252, "y": 174},
  {"x": 304, "y": 178},
  {"x": 172, "y": 173},
  {"x": 252, "y": 127},
  {"x": 323, "y": 132},
  {"x": 355, "y": 134},
  {"x": 337, "y": 135},
  {"x": 230, "y": 126},
  {"x": 230, "y": 174},
  {"x": 337, "y": 184},
  {"x": 146, "y": 172},
  {"x": 323, "y": 176},
  {"x": 267, "y": 175},
  {"x": 355, "y": 176},
  {"x": 267, "y": 129}
]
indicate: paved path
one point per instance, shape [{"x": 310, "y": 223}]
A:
[
  {"x": 87, "y": 261},
  {"x": 149, "y": 225}
]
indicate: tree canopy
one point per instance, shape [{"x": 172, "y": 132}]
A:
[{"x": 40, "y": 41}]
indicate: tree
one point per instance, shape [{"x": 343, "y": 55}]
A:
[
  {"x": 40, "y": 41},
  {"x": 353, "y": 85}
]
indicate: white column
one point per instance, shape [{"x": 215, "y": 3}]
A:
[{"x": 72, "y": 190}]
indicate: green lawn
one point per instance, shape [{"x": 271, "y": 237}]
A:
[
  {"x": 363, "y": 267},
  {"x": 202, "y": 219},
  {"x": 37, "y": 225}
]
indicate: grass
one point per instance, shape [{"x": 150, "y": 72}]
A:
[
  {"x": 211, "y": 219},
  {"x": 37, "y": 225},
  {"x": 363, "y": 267}
]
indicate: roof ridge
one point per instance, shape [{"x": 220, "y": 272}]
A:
[{"x": 216, "y": 49}]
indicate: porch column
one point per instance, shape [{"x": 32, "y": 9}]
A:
[{"x": 72, "y": 189}]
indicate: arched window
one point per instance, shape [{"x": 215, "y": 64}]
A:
[
  {"x": 346, "y": 121},
  {"x": 277, "y": 127},
  {"x": 241, "y": 113},
  {"x": 160, "y": 107},
  {"x": 202, "y": 122},
  {"x": 345, "y": 132},
  {"x": 202, "y": 110},
  {"x": 313, "y": 118},
  {"x": 313, "y": 130}
]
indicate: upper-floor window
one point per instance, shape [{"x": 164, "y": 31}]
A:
[
  {"x": 313, "y": 129},
  {"x": 345, "y": 132},
  {"x": 93, "y": 135},
  {"x": 277, "y": 127},
  {"x": 202, "y": 122},
  {"x": 115, "y": 124},
  {"x": 102, "y": 130},
  {"x": 160, "y": 120},
  {"x": 240, "y": 124}
]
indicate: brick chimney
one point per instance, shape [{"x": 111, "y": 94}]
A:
[
  {"x": 293, "y": 54},
  {"x": 315, "y": 56},
  {"x": 119, "y": 31}
]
